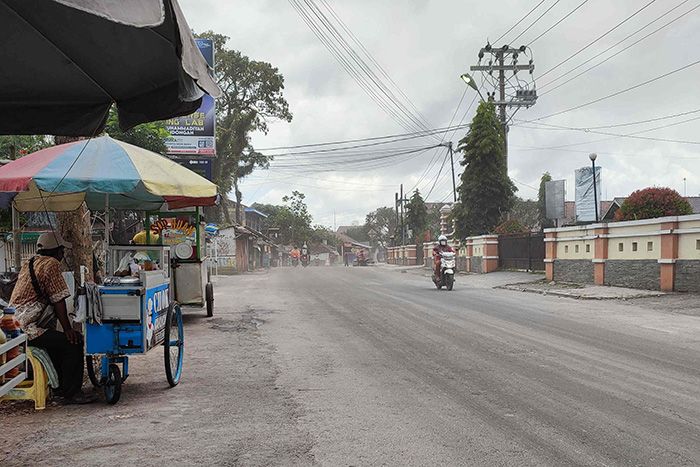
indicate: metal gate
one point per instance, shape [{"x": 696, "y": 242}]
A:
[{"x": 521, "y": 251}]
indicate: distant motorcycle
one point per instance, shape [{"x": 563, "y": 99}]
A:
[
  {"x": 304, "y": 260},
  {"x": 447, "y": 271},
  {"x": 295, "y": 262}
]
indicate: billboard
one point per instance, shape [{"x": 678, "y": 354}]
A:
[
  {"x": 554, "y": 195},
  {"x": 200, "y": 165},
  {"x": 193, "y": 135},
  {"x": 585, "y": 200}
]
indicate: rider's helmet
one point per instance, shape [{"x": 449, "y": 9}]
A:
[{"x": 442, "y": 240}]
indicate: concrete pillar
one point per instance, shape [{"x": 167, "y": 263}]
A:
[
  {"x": 669, "y": 255},
  {"x": 550, "y": 254},
  {"x": 600, "y": 255},
  {"x": 490, "y": 258}
]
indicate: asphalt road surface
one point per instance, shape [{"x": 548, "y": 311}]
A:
[{"x": 371, "y": 366}]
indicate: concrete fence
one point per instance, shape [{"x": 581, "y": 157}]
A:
[
  {"x": 657, "y": 254},
  {"x": 477, "y": 254}
]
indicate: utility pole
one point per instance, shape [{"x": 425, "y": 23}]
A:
[
  {"x": 452, "y": 165},
  {"x": 396, "y": 206},
  {"x": 525, "y": 93},
  {"x": 403, "y": 229},
  {"x": 448, "y": 145}
]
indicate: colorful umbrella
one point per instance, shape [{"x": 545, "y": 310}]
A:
[{"x": 102, "y": 172}]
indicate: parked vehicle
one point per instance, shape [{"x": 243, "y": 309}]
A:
[{"x": 447, "y": 271}]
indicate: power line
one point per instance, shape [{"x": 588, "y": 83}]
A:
[
  {"x": 558, "y": 22},
  {"x": 534, "y": 22},
  {"x": 371, "y": 58},
  {"x": 519, "y": 21},
  {"x": 617, "y": 135},
  {"x": 356, "y": 66},
  {"x": 638, "y": 122},
  {"x": 413, "y": 134},
  {"x": 617, "y": 93},
  {"x": 348, "y": 67},
  {"x": 615, "y": 45},
  {"x": 596, "y": 40}
]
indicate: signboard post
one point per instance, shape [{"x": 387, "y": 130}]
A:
[{"x": 193, "y": 137}]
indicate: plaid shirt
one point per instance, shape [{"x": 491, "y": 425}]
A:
[{"x": 28, "y": 304}]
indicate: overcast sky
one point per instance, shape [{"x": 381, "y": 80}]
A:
[{"x": 424, "y": 46}]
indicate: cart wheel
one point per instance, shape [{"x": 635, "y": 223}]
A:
[
  {"x": 113, "y": 385},
  {"x": 174, "y": 344},
  {"x": 209, "y": 297},
  {"x": 94, "y": 369}
]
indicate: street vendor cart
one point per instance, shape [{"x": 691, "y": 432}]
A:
[
  {"x": 183, "y": 231},
  {"x": 134, "y": 310}
]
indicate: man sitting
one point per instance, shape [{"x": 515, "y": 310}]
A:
[
  {"x": 442, "y": 246},
  {"x": 39, "y": 299}
]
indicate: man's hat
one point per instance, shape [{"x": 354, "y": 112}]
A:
[{"x": 51, "y": 240}]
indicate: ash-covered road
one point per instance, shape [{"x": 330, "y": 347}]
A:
[{"x": 369, "y": 366}]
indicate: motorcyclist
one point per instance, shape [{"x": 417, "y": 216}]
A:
[
  {"x": 295, "y": 254},
  {"x": 441, "y": 247}
]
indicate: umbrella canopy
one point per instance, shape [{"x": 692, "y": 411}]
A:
[
  {"x": 64, "y": 62},
  {"x": 61, "y": 177}
]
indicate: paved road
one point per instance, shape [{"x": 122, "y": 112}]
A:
[{"x": 367, "y": 366}]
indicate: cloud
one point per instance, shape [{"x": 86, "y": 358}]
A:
[{"x": 425, "y": 46}]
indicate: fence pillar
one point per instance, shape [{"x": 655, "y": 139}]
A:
[
  {"x": 669, "y": 254},
  {"x": 550, "y": 253},
  {"x": 600, "y": 255}
]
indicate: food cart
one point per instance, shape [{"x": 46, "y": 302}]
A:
[
  {"x": 183, "y": 231},
  {"x": 133, "y": 311}
]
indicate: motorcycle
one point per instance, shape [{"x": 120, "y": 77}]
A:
[
  {"x": 295, "y": 262},
  {"x": 304, "y": 260},
  {"x": 447, "y": 271}
]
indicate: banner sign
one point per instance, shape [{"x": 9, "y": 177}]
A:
[
  {"x": 585, "y": 199},
  {"x": 193, "y": 135}
]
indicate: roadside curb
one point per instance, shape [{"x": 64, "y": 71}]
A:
[{"x": 519, "y": 287}]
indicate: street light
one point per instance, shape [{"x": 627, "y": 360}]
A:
[
  {"x": 467, "y": 78},
  {"x": 593, "y": 156}
]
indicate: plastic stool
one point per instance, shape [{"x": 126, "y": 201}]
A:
[{"x": 36, "y": 390}]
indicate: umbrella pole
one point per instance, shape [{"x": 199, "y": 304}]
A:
[
  {"x": 16, "y": 240},
  {"x": 106, "y": 241}
]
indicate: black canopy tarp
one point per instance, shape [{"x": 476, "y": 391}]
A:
[{"x": 64, "y": 62}]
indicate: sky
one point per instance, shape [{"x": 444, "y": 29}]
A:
[{"x": 424, "y": 46}]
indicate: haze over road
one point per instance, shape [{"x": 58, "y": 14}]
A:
[{"x": 368, "y": 366}]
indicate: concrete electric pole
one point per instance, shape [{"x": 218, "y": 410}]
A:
[{"x": 504, "y": 61}]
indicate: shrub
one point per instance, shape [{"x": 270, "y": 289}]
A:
[
  {"x": 511, "y": 226},
  {"x": 653, "y": 202}
]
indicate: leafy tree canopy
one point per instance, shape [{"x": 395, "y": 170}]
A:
[
  {"x": 149, "y": 136},
  {"x": 417, "y": 216},
  {"x": 252, "y": 97},
  {"x": 653, "y": 202},
  {"x": 485, "y": 192}
]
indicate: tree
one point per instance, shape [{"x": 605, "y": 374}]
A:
[
  {"x": 292, "y": 219},
  {"x": 510, "y": 226},
  {"x": 417, "y": 216},
  {"x": 653, "y": 202},
  {"x": 15, "y": 146},
  {"x": 542, "y": 202},
  {"x": 381, "y": 225},
  {"x": 526, "y": 213},
  {"x": 485, "y": 192},
  {"x": 252, "y": 96},
  {"x": 149, "y": 136},
  {"x": 359, "y": 233}
]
